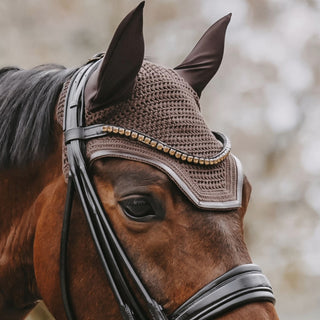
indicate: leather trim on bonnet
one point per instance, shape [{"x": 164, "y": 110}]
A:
[{"x": 177, "y": 180}]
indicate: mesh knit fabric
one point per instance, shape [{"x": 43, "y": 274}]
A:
[{"x": 166, "y": 108}]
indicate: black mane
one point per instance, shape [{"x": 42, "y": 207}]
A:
[{"x": 27, "y": 104}]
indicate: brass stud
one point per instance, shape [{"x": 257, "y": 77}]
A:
[
  {"x": 178, "y": 155},
  {"x": 159, "y": 146},
  {"x": 134, "y": 135},
  {"x": 109, "y": 129},
  {"x": 201, "y": 160},
  {"x": 166, "y": 149},
  {"x": 121, "y": 131},
  {"x": 115, "y": 129},
  {"x": 172, "y": 152},
  {"x": 206, "y": 162},
  {"x": 195, "y": 160},
  {"x": 140, "y": 137},
  {"x": 104, "y": 129},
  {"x": 147, "y": 140},
  {"x": 211, "y": 161},
  {"x": 153, "y": 143},
  {"x": 190, "y": 159},
  {"x": 184, "y": 157},
  {"x": 127, "y": 133}
]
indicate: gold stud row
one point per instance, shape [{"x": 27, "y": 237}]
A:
[{"x": 183, "y": 156}]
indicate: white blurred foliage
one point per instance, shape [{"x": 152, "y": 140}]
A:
[
  {"x": 282, "y": 112},
  {"x": 296, "y": 75},
  {"x": 310, "y": 160},
  {"x": 210, "y": 9},
  {"x": 312, "y": 195},
  {"x": 310, "y": 251}
]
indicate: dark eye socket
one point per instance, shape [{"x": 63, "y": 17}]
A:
[{"x": 140, "y": 208}]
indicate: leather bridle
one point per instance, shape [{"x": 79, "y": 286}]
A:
[{"x": 241, "y": 285}]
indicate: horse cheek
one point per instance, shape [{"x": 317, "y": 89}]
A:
[
  {"x": 50, "y": 206},
  {"x": 89, "y": 290}
]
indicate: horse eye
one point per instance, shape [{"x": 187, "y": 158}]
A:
[{"x": 139, "y": 208}]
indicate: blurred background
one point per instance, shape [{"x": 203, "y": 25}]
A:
[{"x": 265, "y": 97}]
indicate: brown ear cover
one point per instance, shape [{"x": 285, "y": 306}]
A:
[
  {"x": 114, "y": 78},
  {"x": 204, "y": 60}
]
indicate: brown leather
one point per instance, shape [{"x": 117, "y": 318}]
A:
[
  {"x": 204, "y": 60},
  {"x": 114, "y": 78}
]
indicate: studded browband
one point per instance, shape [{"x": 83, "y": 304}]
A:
[{"x": 100, "y": 130}]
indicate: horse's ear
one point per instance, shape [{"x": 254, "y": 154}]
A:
[
  {"x": 204, "y": 60},
  {"x": 114, "y": 78}
]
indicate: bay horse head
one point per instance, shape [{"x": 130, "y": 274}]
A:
[{"x": 151, "y": 217}]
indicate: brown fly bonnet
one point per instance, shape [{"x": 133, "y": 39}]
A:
[{"x": 152, "y": 115}]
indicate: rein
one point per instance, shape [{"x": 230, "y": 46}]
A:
[{"x": 241, "y": 285}]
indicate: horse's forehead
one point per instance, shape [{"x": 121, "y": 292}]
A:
[{"x": 161, "y": 124}]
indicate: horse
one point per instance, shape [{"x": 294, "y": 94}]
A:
[{"x": 117, "y": 201}]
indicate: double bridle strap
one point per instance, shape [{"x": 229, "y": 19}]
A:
[
  {"x": 110, "y": 251},
  {"x": 238, "y": 286}
]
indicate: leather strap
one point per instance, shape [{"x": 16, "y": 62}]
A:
[
  {"x": 108, "y": 247},
  {"x": 86, "y": 133},
  {"x": 240, "y": 285}
]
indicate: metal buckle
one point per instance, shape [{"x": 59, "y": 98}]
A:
[{"x": 96, "y": 57}]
